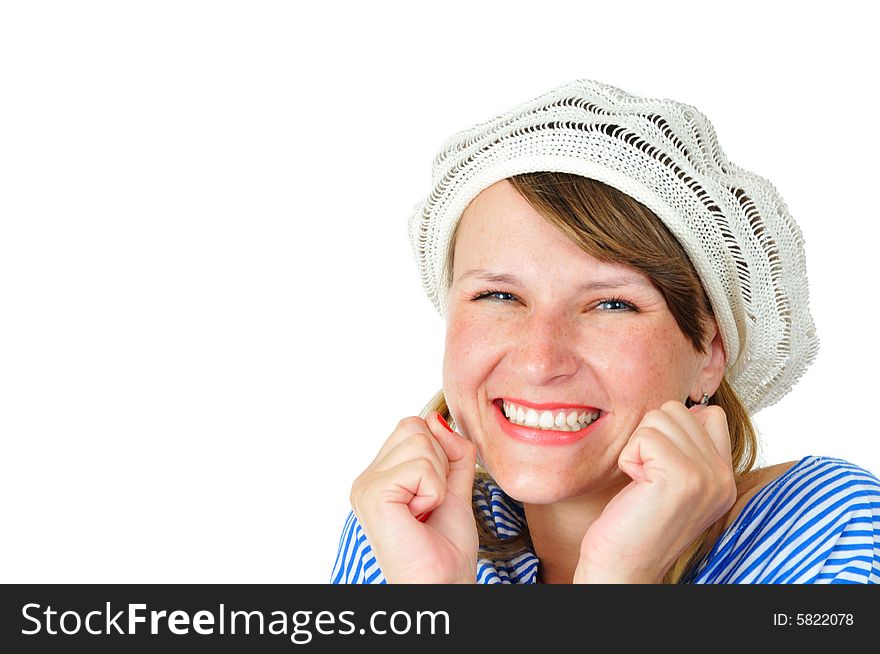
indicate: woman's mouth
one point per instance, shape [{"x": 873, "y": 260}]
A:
[
  {"x": 560, "y": 426},
  {"x": 558, "y": 420}
]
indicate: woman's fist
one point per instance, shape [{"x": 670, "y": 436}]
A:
[
  {"x": 680, "y": 464},
  {"x": 414, "y": 504}
]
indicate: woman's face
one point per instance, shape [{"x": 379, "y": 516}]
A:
[{"x": 550, "y": 339}]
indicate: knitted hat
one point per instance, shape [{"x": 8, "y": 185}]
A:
[{"x": 733, "y": 224}]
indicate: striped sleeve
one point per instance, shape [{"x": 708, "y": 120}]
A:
[
  {"x": 819, "y": 524},
  {"x": 355, "y": 563}
]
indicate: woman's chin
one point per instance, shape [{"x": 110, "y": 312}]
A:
[
  {"x": 531, "y": 483},
  {"x": 537, "y": 487}
]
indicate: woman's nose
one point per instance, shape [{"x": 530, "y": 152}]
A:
[{"x": 546, "y": 348}]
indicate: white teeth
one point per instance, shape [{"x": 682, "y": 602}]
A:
[
  {"x": 562, "y": 421},
  {"x": 532, "y": 418}
]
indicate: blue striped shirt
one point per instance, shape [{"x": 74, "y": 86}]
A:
[{"x": 819, "y": 523}]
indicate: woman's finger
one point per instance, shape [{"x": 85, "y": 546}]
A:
[
  {"x": 713, "y": 419},
  {"x": 689, "y": 432},
  {"x": 708, "y": 427},
  {"x": 670, "y": 424},
  {"x": 461, "y": 455},
  {"x": 404, "y": 429},
  {"x": 415, "y": 446},
  {"x": 413, "y": 485},
  {"x": 650, "y": 455}
]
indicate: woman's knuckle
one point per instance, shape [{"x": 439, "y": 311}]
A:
[
  {"x": 424, "y": 464},
  {"x": 356, "y": 485},
  {"x": 359, "y": 494},
  {"x": 649, "y": 433},
  {"x": 422, "y": 442},
  {"x": 409, "y": 421},
  {"x": 692, "y": 482},
  {"x": 728, "y": 489}
]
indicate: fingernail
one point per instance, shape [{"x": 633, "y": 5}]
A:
[
  {"x": 424, "y": 516},
  {"x": 445, "y": 424}
]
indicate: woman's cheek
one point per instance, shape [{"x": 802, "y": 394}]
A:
[
  {"x": 470, "y": 339},
  {"x": 472, "y": 352}
]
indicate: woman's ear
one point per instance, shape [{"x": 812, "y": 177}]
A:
[{"x": 714, "y": 363}]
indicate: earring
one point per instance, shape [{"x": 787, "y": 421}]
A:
[{"x": 689, "y": 403}]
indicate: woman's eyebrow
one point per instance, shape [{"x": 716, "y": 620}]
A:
[{"x": 599, "y": 284}]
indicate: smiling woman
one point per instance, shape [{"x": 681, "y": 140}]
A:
[
  {"x": 619, "y": 300},
  {"x": 616, "y": 346}
]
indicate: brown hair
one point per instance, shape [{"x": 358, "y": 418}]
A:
[{"x": 614, "y": 228}]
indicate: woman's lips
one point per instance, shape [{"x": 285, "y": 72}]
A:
[{"x": 540, "y": 436}]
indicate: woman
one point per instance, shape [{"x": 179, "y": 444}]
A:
[{"x": 619, "y": 299}]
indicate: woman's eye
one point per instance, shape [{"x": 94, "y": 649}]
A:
[
  {"x": 493, "y": 294},
  {"x": 623, "y": 305}
]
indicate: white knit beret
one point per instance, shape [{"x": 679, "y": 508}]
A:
[{"x": 735, "y": 227}]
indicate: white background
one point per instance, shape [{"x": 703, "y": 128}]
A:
[{"x": 210, "y": 316}]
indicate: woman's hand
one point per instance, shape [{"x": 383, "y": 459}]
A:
[
  {"x": 682, "y": 481},
  {"x": 423, "y": 468}
]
